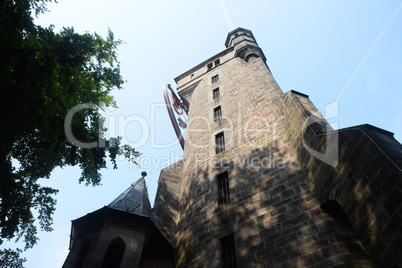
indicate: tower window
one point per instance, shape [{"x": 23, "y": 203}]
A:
[
  {"x": 215, "y": 93},
  {"x": 223, "y": 188},
  {"x": 209, "y": 66},
  {"x": 217, "y": 113},
  {"x": 114, "y": 254},
  {"x": 217, "y": 62},
  {"x": 228, "y": 251},
  {"x": 215, "y": 78},
  {"x": 220, "y": 142}
]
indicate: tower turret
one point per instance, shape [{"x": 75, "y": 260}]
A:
[{"x": 244, "y": 44}]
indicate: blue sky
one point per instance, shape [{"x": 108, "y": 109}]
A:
[{"x": 344, "y": 51}]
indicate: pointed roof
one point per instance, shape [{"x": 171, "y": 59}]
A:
[
  {"x": 135, "y": 199},
  {"x": 234, "y": 32}
]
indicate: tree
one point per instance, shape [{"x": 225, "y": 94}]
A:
[{"x": 43, "y": 75}]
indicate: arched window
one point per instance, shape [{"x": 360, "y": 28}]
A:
[
  {"x": 82, "y": 253},
  {"x": 114, "y": 254},
  {"x": 346, "y": 237}
]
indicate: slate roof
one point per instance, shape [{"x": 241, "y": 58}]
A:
[{"x": 134, "y": 200}]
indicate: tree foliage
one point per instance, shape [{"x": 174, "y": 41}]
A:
[{"x": 43, "y": 75}]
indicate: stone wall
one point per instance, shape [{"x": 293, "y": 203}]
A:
[
  {"x": 166, "y": 206},
  {"x": 366, "y": 182}
]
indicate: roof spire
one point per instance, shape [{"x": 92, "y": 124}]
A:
[{"x": 135, "y": 199}]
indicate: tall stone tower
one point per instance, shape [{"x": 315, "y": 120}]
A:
[{"x": 266, "y": 182}]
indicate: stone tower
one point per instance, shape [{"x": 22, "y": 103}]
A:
[
  {"x": 121, "y": 234},
  {"x": 266, "y": 182}
]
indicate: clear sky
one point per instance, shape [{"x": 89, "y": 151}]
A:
[{"x": 344, "y": 51}]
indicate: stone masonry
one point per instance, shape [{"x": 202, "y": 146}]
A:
[{"x": 301, "y": 194}]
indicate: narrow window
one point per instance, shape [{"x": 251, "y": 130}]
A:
[
  {"x": 228, "y": 252},
  {"x": 209, "y": 66},
  {"x": 217, "y": 62},
  {"x": 215, "y": 78},
  {"x": 223, "y": 188},
  {"x": 217, "y": 113},
  {"x": 220, "y": 142},
  {"x": 215, "y": 93},
  {"x": 114, "y": 254}
]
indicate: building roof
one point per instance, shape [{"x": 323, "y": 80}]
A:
[
  {"x": 134, "y": 200},
  {"x": 234, "y": 31}
]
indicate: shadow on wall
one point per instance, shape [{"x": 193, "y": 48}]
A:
[
  {"x": 275, "y": 218},
  {"x": 366, "y": 183}
]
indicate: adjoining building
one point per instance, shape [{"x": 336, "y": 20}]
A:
[
  {"x": 121, "y": 234},
  {"x": 264, "y": 182}
]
